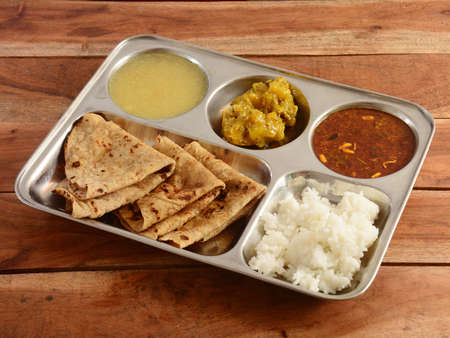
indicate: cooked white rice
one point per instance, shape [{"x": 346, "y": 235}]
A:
[{"x": 316, "y": 244}]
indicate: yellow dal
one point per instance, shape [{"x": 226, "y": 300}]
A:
[{"x": 157, "y": 85}]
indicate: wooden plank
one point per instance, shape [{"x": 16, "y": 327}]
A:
[
  {"x": 17, "y": 143},
  {"x": 427, "y": 85},
  {"x": 436, "y": 168},
  {"x": 32, "y": 239},
  {"x": 299, "y": 28},
  {"x": 40, "y": 89},
  {"x": 37, "y": 90},
  {"x": 423, "y": 233},
  {"x": 19, "y": 140},
  {"x": 403, "y": 301}
]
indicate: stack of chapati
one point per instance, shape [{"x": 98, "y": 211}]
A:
[
  {"x": 236, "y": 200},
  {"x": 106, "y": 167},
  {"x": 190, "y": 189},
  {"x": 165, "y": 192},
  {"x": 201, "y": 198}
]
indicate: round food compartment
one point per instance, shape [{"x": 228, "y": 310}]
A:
[
  {"x": 258, "y": 112},
  {"x": 364, "y": 141},
  {"x": 157, "y": 84}
]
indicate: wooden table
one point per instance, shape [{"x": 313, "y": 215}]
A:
[{"x": 59, "y": 278}]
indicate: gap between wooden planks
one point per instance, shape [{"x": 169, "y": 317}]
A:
[
  {"x": 47, "y": 28},
  {"x": 405, "y": 301},
  {"x": 34, "y": 240}
]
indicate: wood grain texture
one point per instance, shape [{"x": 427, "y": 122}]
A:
[
  {"x": 422, "y": 79},
  {"x": 423, "y": 233},
  {"x": 19, "y": 140},
  {"x": 49, "y": 50},
  {"x": 40, "y": 89},
  {"x": 17, "y": 144},
  {"x": 34, "y": 92},
  {"x": 436, "y": 168},
  {"x": 47, "y": 28},
  {"x": 207, "y": 302},
  {"x": 32, "y": 239}
]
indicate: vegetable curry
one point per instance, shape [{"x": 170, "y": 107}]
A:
[
  {"x": 363, "y": 143},
  {"x": 260, "y": 116}
]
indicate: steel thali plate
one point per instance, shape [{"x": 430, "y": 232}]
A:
[{"x": 229, "y": 76}]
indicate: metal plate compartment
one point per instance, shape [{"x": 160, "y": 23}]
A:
[{"x": 228, "y": 76}]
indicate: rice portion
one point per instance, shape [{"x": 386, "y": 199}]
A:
[{"x": 314, "y": 243}]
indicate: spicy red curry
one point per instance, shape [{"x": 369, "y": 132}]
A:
[{"x": 363, "y": 143}]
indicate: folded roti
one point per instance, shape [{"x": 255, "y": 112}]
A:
[
  {"x": 130, "y": 214},
  {"x": 237, "y": 200},
  {"x": 102, "y": 158},
  {"x": 98, "y": 206},
  {"x": 189, "y": 182}
]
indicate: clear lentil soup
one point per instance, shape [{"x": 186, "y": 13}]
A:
[{"x": 363, "y": 143}]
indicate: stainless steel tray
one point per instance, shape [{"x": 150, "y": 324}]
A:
[{"x": 229, "y": 76}]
